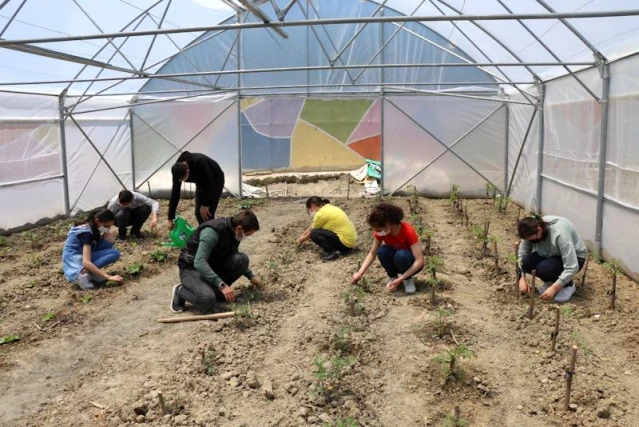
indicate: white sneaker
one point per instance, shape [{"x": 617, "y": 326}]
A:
[
  {"x": 409, "y": 286},
  {"x": 84, "y": 281}
]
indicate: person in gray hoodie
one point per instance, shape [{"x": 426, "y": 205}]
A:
[
  {"x": 132, "y": 209},
  {"x": 551, "y": 246}
]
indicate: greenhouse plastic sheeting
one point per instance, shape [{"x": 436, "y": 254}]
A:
[
  {"x": 30, "y": 203},
  {"x": 162, "y": 131},
  {"x": 418, "y": 132},
  {"x": 620, "y": 236}
]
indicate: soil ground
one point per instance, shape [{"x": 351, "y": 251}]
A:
[{"x": 311, "y": 349}]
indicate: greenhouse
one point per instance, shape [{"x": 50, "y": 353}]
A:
[{"x": 536, "y": 100}]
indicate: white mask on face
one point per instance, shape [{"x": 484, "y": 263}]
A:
[
  {"x": 239, "y": 239},
  {"x": 102, "y": 229},
  {"x": 312, "y": 214},
  {"x": 382, "y": 233}
]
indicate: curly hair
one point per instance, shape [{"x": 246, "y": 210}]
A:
[{"x": 385, "y": 213}]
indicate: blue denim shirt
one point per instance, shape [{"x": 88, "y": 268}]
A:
[{"x": 72, "y": 254}]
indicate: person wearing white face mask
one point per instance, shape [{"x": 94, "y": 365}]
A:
[
  {"x": 89, "y": 248},
  {"x": 331, "y": 229},
  {"x": 397, "y": 246},
  {"x": 211, "y": 262}
]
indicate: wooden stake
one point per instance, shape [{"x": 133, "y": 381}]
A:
[
  {"x": 484, "y": 247},
  {"x": 583, "y": 276},
  {"x": 613, "y": 292},
  {"x": 496, "y": 256},
  {"x": 556, "y": 331},
  {"x": 569, "y": 374},
  {"x": 457, "y": 415},
  {"x": 285, "y": 189},
  {"x": 195, "y": 318},
  {"x": 266, "y": 185},
  {"x": 428, "y": 246},
  {"x": 348, "y": 188},
  {"x": 531, "y": 307},
  {"x": 518, "y": 216},
  {"x": 162, "y": 404},
  {"x": 517, "y": 293}
]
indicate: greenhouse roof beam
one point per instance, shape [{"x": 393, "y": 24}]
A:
[
  {"x": 4, "y": 3},
  {"x": 529, "y": 97},
  {"x": 155, "y": 36},
  {"x": 310, "y": 68},
  {"x": 283, "y": 12},
  {"x": 12, "y": 16},
  {"x": 568, "y": 25},
  {"x": 357, "y": 33},
  {"x": 110, "y": 41},
  {"x": 460, "y": 95},
  {"x": 262, "y": 16},
  {"x": 334, "y": 21},
  {"x": 545, "y": 46}
]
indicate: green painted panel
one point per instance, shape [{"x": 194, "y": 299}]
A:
[{"x": 338, "y": 117}]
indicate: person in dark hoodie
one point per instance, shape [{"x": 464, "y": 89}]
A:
[
  {"x": 210, "y": 262},
  {"x": 208, "y": 178}
]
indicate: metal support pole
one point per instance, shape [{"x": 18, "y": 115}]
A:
[
  {"x": 12, "y": 17},
  {"x": 357, "y": 33},
  {"x": 239, "y": 108},
  {"x": 507, "y": 144},
  {"x": 63, "y": 153},
  {"x": 601, "y": 187},
  {"x": 521, "y": 151},
  {"x": 382, "y": 140},
  {"x": 283, "y": 12},
  {"x": 148, "y": 52},
  {"x": 132, "y": 142},
  {"x": 542, "y": 140}
]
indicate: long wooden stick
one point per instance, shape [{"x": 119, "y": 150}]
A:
[
  {"x": 496, "y": 256},
  {"x": 569, "y": 375},
  {"x": 556, "y": 331},
  {"x": 195, "y": 318},
  {"x": 531, "y": 307}
]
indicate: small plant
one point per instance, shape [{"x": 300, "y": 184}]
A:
[
  {"x": 135, "y": 269},
  {"x": 433, "y": 284},
  {"x": 33, "y": 284},
  {"x": 441, "y": 324},
  {"x": 250, "y": 203},
  {"x": 364, "y": 285},
  {"x": 36, "y": 261},
  {"x": 426, "y": 236},
  {"x": 614, "y": 267},
  {"x": 454, "y": 420},
  {"x": 501, "y": 203},
  {"x": 455, "y": 195},
  {"x": 86, "y": 298},
  {"x": 243, "y": 316},
  {"x": 353, "y": 300},
  {"x": 449, "y": 362},
  {"x": 3, "y": 242},
  {"x": 208, "y": 361},
  {"x": 434, "y": 264},
  {"x": 328, "y": 372},
  {"x": 342, "y": 340},
  {"x": 8, "y": 339},
  {"x": 159, "y": 256},
  {"x": 344, "y": 422},
  {"x": 51, "y": 315},
  {"x": 581, "y": 343},
  {"x": 32, "y": 238},
  {"x": 566, "y": 311}
]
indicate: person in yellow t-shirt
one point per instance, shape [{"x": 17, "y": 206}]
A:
[{"x": 331, "y": 229}]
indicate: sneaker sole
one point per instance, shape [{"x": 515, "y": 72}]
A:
[{"x": 173, "y": 296}]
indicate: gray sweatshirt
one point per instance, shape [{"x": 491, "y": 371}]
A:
[
  {"x": 563, "y": 241},
  {"x": 138, "y": 200}
]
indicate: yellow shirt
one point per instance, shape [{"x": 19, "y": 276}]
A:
[{"x": 334, "y": 219}]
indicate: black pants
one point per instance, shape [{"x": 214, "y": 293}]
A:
[
  {"x": 548, "y": 269},
  {"x": 131, "y": 217},
  {"x": 328, "y": 241},
  {"x": 200, "y": 293},
  {"x": 215, "y": 200}
]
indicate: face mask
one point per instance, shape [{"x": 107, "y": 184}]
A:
[
  {"x": 102, "y": 229},
  {"x": 382, "y": 233},
  {"x": 544, "y": 234}
]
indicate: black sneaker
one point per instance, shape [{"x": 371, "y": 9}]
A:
[
  {"x": 177, "y": 302},
  {"x": 331, "y": 257},
  {"x": 137, "y": 234},
  {"x": 121, "y": 233}
]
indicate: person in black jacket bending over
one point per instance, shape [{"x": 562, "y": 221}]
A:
[
  {"x": 209, "y": 184},
  {"x": 211, "y": 262}
]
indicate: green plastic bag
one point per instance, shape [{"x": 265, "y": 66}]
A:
[{"x": 180, "y": 234}]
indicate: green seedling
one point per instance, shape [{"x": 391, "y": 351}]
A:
[
  {"x": 353, "y": 300},
  {"x": 3, "y": 242},
  {"x": 365, "y": 285},
  {"x": 441, "y": 324},
  {"x": 449, "y": 362},
  {"x": 8, "y": 339},
  {"x": 159, "y": 256},
  {"x": 501, "y": 203},
  {"x": 86, "y": 298},
  {"x": 343, "y": 422},
  {"x": 135, "y": 269},
  {"x": 33, "y": 284},
  {"x": 566, "y": 311},
  {"x": 36, "y": 261},
  {"x": 581, "y": 343},
  {"x": 51, "y": 315},
  {"x": 328, "y": 372},
  {"x": 614, "y": 267},
  {"x": 243, "y": 316},
  {"x": 433, "y": 284},
  {"x": 454, "y": 420},
  {"x": 250, "y": 203},
  {"x": 433, "y": 265},
  {"x": 208, "y": 360},
  {"x": 342, "y": 340}
]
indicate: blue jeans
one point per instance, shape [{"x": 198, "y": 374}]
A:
[
  {"x": 395, "y": 261},
  {"x": 104, "y": 254}
]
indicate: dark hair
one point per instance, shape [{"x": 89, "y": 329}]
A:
[
  {"x": 526, "y": 227},
  {"x": 104, "y": 215},
  {"x": 245, "y": 219},
  {"x": 317, "y": 201},
  {"x": 178, "y": 170},
  {"x": 385, "y": 213},
  {"x": 125, "y": 196}
]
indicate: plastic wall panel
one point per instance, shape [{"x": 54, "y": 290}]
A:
[
  {"x": 29, "y": 151},
  {"x": 620, "y": 237},
  {"x": 13, "y": 105},
  {"x": 579, "y": 208},
  {"x": 29, "y": 203},
  {"x": 524, "y": 184}
]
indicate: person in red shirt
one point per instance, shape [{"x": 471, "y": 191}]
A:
[{"x": 396, "y": 245}]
